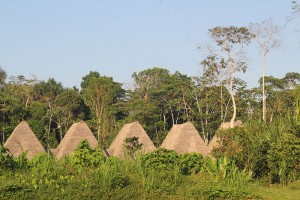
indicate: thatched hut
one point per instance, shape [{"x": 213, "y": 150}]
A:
[
  {"x": 78, "y": 132},
  {"x": 134, "y": 129},
  {"x": 184, "y": 138},
  {"x": 224, "y": 126},
  {"x": 23, "y": 139}
]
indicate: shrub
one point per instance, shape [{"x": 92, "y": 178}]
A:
[
  {"x": 84, "y": 156},
  {"x": 6, "y": 160},
  {"x": 226, "y": 172},
  {"x": 190, "y": 163},
  {"x": 269, "y": 150},
  {"x": 132, "y": 145},
  {"x": 160, "y": 159}
]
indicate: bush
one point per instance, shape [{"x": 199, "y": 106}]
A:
[
  {"x": 84, "y": 156},
  {"x": 6, "y": 160},
  {"x": 190, "y": 163},
  {"x": 226, "y": 172},
  {"x": 132, "y": 146},
  {"x": 269, "y": 150},
  {"x": 160, "y": 159}
]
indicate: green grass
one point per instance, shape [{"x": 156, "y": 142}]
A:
[
  {"x": 277, "y": 192},
  {"x": 124, "y": 180}
]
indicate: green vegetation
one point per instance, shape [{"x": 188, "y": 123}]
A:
[
  {"x": 255, "y": 172},
  {"x": 260, "y": 160},
  {"x": 257, "y": 161}
]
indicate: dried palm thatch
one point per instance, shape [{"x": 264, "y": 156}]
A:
[
  {"x": 226, "y": 125},
  {"x": 78, "y": 132},
  {"x": 134, "y": 129},
  {"x": 23, "y": 139},
  {"x": 215, "y": 142},
  {"x": 184, "y": 138}
]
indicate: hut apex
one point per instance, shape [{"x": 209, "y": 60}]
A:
[
  {"x": 226, "y": 125},
  {"x": 78, "y": 132},
  {"x": 23, "y": 139},
  {"x": 184, "y": 138},
  {"x": 128, "y": 131}
]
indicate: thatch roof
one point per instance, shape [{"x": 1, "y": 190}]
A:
[
  {"x": 78, "y": 132},
  {"x": 130, "y": 130},
  {"x": 213, "y": 143},
  {"x": 224, "y": 126},
  {"x": 23, "y": 139},
  {"x": 184, "y": 138}
]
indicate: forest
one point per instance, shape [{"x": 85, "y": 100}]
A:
[{"x": 260, "y": 160}]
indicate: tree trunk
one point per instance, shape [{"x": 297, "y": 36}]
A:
[
  {"x": 165, "y": 121},
  {"x": 221, "y": 101},
  {"x": 232, "y": 96},
  {"x": 205, "y": 138},
  {"x": 206, "y": 120},
  {"x": 226, "y": 110},
  {"x": 172, "y": 115},
  {"x": 49, "y": 127},
  {"x": 263, "y": 85}
]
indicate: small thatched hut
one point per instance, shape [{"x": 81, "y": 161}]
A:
[
  {"x": 130, "y": 130},
  {"x": 224, "y": 126},
  {"x": 184, "y": 138},
  {"x": 78, "y": 132},
  {"x": 23, "y": 139}
]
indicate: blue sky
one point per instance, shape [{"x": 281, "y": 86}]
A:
[{"x": 65, "y": 39}]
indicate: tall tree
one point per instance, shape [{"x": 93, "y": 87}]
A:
[
  {"x": 68, "y": 108},
  {"x": 214, "y": 73},
  {"x": 267, "y": 36},
  {"x": 230, "y": 40},
  {"x": 100, "y": 94},
  {"x": 47, "y": 92},
  {"x": 3, "y": 77}
]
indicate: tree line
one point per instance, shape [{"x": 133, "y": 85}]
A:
[{"x": 159, "y": 98}]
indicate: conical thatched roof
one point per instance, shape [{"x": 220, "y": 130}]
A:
[
  {"x": 213, "y": 143},
  {"x": 78, "y": 132},
  {"x": 224, "y": 126},
  {"x": 23, "y": 139},
  {"x": 130, "y": 130},
  {"x": 184, "y": 138}
]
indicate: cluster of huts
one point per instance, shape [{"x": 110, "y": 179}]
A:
[{"x": 183, "y": 138}]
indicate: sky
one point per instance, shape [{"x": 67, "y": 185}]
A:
[{"x": 66, "y": 39}]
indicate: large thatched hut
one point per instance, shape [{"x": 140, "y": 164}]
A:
[
  {"x": 23, "y": 139},
  {"x": 78, "y": 132},
  {"x": 184, "y": 138},
  {"x": 134, "y": 129}
]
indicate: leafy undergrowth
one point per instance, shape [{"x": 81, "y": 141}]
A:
[
  {"x": 101, "y": 184},
  {"x": 162, "y": 174}
]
